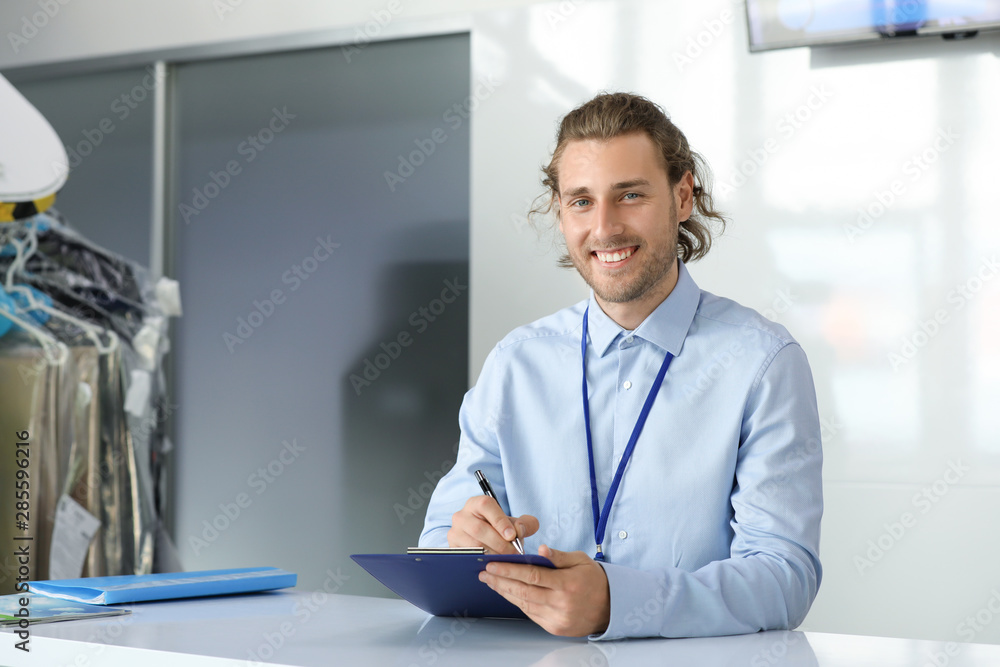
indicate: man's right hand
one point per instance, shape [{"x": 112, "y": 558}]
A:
[{"x": 481, "y": 523}]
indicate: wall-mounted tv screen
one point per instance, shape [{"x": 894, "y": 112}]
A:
[{"x": 779, "y": 24}]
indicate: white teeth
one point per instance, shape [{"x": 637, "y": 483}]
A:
[{"x": 614, "y": 257}]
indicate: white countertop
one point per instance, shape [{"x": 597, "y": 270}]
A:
[{"x": 304, "y": 629}]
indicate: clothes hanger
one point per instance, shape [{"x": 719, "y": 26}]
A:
[
  {"x": 85, "y": 278},
  {"x": 24, "y": 249},
  {"x": 56, "y": 352}
]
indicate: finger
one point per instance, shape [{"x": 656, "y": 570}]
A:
[
  {"x": 504, "y": 526},
  {"x": 499, "y": 586},
  {"x": 563, "y": 559},
  {"x": 477, "y": 523},
  {"x": 490, "y": 511},
  {"x": 524, "y": 595},
  {"x": 528, "y": 575},
  {"x": 533, "y": 602},
  {"x": 487, "y": 539},
  {"x": 543, "y": 577},
  {"x": 470, "y": 531},
  {"x": 526, "y": 525},
  {"x": 571, "y": 600}
]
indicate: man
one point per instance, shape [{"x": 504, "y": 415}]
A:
[{"x": 665, "y": 439}]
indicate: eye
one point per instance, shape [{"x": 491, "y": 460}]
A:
[
  {"x": 580, "y": 203},
  {"x": 631, "y": 195}
]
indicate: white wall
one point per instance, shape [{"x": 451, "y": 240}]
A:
[
  {"x": 894, "y": 428},
  {"x": 72, "y": 29},
  {"x": 850, "y": 291}
]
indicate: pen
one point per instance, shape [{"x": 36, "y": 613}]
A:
[{"x": 484, "y": 484}]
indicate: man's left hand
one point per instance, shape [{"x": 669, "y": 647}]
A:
[{"x": 573, "y": 600}]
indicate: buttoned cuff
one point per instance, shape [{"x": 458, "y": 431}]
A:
[{"x": 637, "y": 603}]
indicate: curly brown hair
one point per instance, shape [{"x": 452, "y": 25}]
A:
[{"x": 611, "y": 115}]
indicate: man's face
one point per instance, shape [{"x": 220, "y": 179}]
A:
[{"x": 619, "y": 215}]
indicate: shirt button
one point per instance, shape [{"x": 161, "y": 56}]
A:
[
  {"x": 627, "y": 384},
  {"x": 622, "y": 534},
  {"x": 629, "y": 339}
]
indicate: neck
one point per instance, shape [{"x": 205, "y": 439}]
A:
[{"x": 630, "y": 314}]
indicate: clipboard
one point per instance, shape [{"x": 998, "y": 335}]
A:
[{"x": 446, "y": 584}]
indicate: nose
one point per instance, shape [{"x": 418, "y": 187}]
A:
[{"x": 606, "y": 222}]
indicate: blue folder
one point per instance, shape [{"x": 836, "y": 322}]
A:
[
  {"x": 144, "y": 587},
  {"x": 446, "y": 584}
]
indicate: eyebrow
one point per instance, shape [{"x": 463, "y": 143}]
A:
[
  {"x": 623, "y": 185},
  {"x": 626, "y": 185}
]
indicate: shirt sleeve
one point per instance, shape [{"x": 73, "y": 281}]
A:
[
  {"x": 478, "y": 450},
  {"x": 773, "y": 573}
]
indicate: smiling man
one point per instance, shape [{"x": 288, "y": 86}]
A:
[{"x": 659, "y": 444}]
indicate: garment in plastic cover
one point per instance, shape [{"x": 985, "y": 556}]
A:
[{"x": 100, "y": 408}]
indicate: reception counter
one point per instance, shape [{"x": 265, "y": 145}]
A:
[{"x": 301, "y": 628}]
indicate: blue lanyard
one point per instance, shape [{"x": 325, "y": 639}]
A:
[{"x": 601, "y": 515}]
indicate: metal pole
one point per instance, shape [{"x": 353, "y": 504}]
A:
[
  {"x": 162, "y": 245},
  {"x": 161, "y": 234}
]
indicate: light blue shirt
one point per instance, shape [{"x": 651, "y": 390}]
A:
[{"x": 715, "y": 528}]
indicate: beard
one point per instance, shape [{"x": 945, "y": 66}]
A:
[
  {"x": 635, "y": 280},
  {"x": 630, "y": 282}
]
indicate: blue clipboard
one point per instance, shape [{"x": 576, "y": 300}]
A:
[{"x": 446, "y": 584}]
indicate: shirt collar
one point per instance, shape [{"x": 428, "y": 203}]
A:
[{"x": 666, "y": 326}]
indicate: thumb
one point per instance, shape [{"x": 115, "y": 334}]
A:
[
  {"x": 562, "y": 558},
  {"x": 526, "y": 525}
]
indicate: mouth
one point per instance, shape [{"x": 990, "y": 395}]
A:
[{"x": 614, "y": 258}]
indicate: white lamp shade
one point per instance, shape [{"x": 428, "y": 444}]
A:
[{"x": 33, "y": 162}]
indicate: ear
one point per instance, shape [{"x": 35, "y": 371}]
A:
[
  {"x": 684, "y": 196},
  {"x": 558, "y": 204}
]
